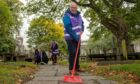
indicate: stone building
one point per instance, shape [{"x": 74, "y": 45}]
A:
[{"x": 20, "y": 49}]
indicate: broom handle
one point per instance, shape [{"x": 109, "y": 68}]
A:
[{"x": 77, "y": 50}]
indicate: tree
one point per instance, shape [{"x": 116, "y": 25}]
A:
[
  {"x": 5, "y": 17},
  {"x": 111, "y": 14},
  {"x": 16, "y": 9},
  {"x": 9, "y": 24},
  {"x": 43, "y": 30}
]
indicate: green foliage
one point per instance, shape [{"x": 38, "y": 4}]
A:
[
  {"x": 133, "y": 21},
  {"x": 5, "y": 16},
  {"x": 6, "y": 19},
  {"x": 10, "y": 16},
  {"x": 43, "y": 30},
  {"x": 10, "y": 22},
  {"x": 7, "y": 45},
  {"x": 16, "y": 9},
  {"x": 50, "y": 8},
  {"x": 101, "y": 39},
  {"x": 130, "y": 12}
]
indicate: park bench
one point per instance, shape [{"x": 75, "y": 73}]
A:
[
  {"x": 83, "y": 58},
  {"x": 97, "y": 56}
]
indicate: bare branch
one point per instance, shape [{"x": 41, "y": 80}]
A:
[
  {"x": 121, "y": 2},
  {"x": 107, "y": 3},
  {"x": 96, "y": 8}
]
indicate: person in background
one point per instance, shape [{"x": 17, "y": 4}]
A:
[
  {"x": 54, "y": 51},
  {"x": 73, "y": 28},
  {"x": 37, "y": 56}
]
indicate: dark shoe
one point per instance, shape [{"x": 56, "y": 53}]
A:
[{"x": 80, "y": 70}]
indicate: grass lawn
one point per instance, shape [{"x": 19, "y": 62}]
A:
[
  {"x": 16, "y": 72},
  {"x": 123, "y": 73}
]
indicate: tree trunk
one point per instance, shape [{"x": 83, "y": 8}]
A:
[
  {"x": 119, "y": 28},
  {"x": 122, "y": 48},
  {"x": 119, "y": 41}
]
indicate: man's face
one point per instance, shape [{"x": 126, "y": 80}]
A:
[{"x": 73, "y": 8}]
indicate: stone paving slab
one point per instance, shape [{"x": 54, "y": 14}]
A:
[
  {"x": 45, "y": 73},
  {"x": 106, "y": 82},
  {"x": 43, "y": 82},
  {"x": 53, "y": 74},
  {"x": 48, "y": 78}
]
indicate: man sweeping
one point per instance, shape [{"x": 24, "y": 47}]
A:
[{"x": 73, "y": 28}]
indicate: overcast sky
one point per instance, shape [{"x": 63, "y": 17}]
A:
[{"x": 26, "y": 23}]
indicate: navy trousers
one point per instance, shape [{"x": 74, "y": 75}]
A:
[{"x": 72, "y": 48}]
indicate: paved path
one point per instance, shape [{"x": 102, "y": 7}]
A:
[{"x": 53, "y": 74}]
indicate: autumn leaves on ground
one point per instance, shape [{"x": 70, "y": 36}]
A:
[
  {"x": 16, "y": 72},
  {"x": 123, "y": 73}
]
